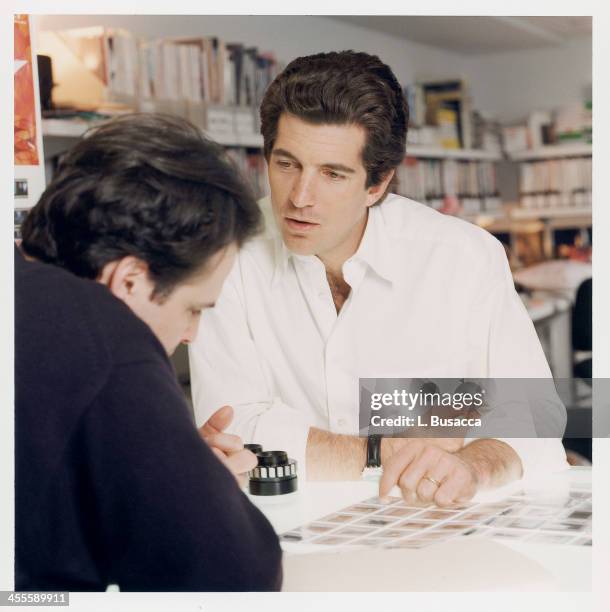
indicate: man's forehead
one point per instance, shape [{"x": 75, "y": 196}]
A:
[{"x": 332, "y": 143}]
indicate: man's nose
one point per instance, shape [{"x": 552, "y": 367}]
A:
[
  {"x": 190, "y": 333},
  {"x": 303, "y": 191}
]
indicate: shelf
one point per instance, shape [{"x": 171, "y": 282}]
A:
[
  {"x": 511, "y": 218},
  {"x": 254, "y": 141},
  {"x": 75, "y": 128},
  {"x": 65, "y": 128},
  {"x": 485, "y": 218},
  {"x": 550, "y": 213},
  {"x": 462, "y": 154},
  {"x": 576, "y": 149}
]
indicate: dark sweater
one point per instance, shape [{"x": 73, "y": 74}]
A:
[{"x": 113, "y": 482}]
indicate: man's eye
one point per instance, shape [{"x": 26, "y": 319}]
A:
[
  {"x": 284, "y": 164},
  {"x": 335, "y": 176}
]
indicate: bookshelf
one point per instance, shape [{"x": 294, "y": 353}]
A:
[
  {"x": 65, "y": 128},
  {"x": 430, "y": 152},
  {"x": 557, "y": 179},
  {"x": 59, "y": 135},
  {"x": 553, "y": 152},
  {"x": 75, "y": 128},
  {"x": 218, "y": 86},
  {"x": 581, "y": 214}
]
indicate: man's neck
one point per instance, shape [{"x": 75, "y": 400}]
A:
[
  {"x": 339, "y": 290},
  {"x": 333, "y": 262}
]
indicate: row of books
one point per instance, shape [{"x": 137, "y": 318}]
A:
[
  {"x": 571, "y": 123},
  {"x": 205, "y": 70},
  {"x": 432, "y": 181},
  {"x": 552, "y": 201},
  {"x": 197, "y": 70},
  {"x": 556, "y": 182}
]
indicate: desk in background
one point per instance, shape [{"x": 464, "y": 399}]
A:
[{"x": 551, "y": 316}]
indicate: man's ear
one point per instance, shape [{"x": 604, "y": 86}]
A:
[
  {"x": 375, "y": 192},
  {"x": 127, "y": 279}
]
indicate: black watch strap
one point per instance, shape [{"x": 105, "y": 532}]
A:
[{"x": 373, "y": 451}]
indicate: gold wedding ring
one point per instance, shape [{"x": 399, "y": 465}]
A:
[{"x": 436, "y": 483}]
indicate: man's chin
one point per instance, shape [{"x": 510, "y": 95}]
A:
[{"x": 301, "y": 245}]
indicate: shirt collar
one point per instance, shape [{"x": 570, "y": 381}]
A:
[
  {"x": 281, "y": 256},
  {"x": 375, "y": 250}
]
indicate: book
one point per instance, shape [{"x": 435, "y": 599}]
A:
[{"x": 556, "y": 183}]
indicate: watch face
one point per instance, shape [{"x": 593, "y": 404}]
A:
[{"x": 373, "y": 451}]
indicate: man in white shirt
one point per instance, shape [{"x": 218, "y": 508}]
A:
[{"x": 361, "y": 284}]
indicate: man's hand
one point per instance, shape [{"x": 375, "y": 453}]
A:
[
  {"x": 390, "y": 446},
  {"x": 227, "y": 447},
  {"x": 427, "y": 473}
]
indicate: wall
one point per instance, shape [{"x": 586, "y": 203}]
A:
[{"x": 510, "y": 85}]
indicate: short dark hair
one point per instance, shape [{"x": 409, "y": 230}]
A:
[
  {"x": 146, "y": 185},
  {"x": 343, "y": 88}
]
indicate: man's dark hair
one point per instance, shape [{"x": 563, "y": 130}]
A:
[
  {"x": 146, "y": 185},
  {"x": 343, "y": 88}
]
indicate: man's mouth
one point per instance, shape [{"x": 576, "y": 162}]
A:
[{"x": 298, "y": 225}]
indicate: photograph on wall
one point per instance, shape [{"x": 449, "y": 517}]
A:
[{"x": 26, "y": 149}]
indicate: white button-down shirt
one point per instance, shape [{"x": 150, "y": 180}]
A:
[{"x": 431, "y": 297}]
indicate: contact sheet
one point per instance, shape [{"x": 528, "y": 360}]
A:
[{"x": 551, "y": 519}]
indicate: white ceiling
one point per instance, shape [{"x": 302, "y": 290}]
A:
[{"x": 477, "y": 35}]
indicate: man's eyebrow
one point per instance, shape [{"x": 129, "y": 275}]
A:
[
  {"x": 338, "y": 167},
  {"x": 329, "y": 165},
  {"x": 283, "y": 153}
]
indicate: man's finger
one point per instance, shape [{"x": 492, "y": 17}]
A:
[
  {"x": 227, "y": 443},
  {"x": 457, "y": 487},
  {"x": 412, "y": 475},
  {"x": 395, "y": 466},
  {"x": 446, "y": 494},
  {"x": 241, "y": 462},
  {"x": 439, "y": 467},
  {"x": 222, "y": 418},
  {"x": 218, "y": 422},
  {"x": 219, "y": 454}
]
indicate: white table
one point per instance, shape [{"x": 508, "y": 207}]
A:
[{"x": 569, "y": 567}]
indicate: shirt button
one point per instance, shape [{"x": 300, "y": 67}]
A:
[{"x": 342, "y": 423}]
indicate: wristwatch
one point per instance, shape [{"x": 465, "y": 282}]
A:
[{"x": 373, "y": 470}]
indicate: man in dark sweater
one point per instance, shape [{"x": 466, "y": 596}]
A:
[{"x": 114, "y": 484}]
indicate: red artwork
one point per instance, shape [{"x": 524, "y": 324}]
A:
[{"x": 26, "y": 152}]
